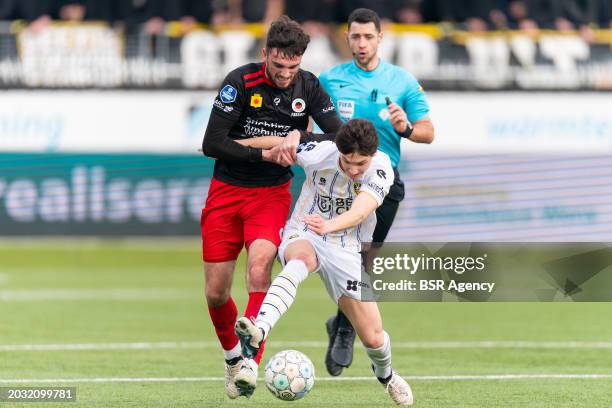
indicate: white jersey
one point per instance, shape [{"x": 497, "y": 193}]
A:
[{"x": 329, "y": 192}]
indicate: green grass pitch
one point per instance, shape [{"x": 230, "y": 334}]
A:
[{"x": 137, "y": 313}]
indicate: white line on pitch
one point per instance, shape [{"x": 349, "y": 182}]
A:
[
  {"x": 415, "y": 377},
  {"x": 313, "y": 344}
]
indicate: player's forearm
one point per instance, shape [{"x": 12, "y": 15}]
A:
[
  {"x": 263, "y": 142},
  {"x": 362, "y": 207},
  {"x": 422, "y": 132},
  {"x": 218, "y": 145}
]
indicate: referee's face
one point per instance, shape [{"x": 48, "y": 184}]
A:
[
  {"x": 281, "y": 69},
  {"x": 363, "y": 40},
  {"x": 354, "y": 164}
]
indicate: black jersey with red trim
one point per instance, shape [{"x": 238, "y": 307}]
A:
[{"x": 258, "y": 108}]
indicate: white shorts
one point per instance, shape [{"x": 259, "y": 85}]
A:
[{"x": 338, "y": 267}]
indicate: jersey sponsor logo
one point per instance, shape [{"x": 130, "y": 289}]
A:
[
  {"x": 217, "y": 103},
  {"x": 377, "y": 189},
  {"x": 256, "y": 100},
  {"x": 228, "y": 94},
  {"x": 324, "y": 203},
  {"x": 352, "y": 285},
  {"x": 328, "y": 109},
  {"x": 336, "y": 205},
  {"x": 346, "y": 109},
  {"x": 306, "y": 147},
  {"x": 298, "y": 105},
  {"x": 254, "y": 127}
]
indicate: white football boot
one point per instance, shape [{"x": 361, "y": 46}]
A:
[
  {"x": 399, "y": 390},
  {"x": 245, "y": 380},
  {"x": 230, "y": 373}
]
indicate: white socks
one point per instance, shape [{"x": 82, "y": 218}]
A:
[
  {"x": 281, "y": 294},
  {"x": 381, "y": 358},
  {"x": 233, "y": 353}
]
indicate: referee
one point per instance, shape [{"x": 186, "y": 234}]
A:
[{"x": 390, "y": 97}]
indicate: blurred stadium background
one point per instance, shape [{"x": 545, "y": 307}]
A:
[{"x": 102, "y": 110}]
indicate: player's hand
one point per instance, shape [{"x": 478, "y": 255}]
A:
[
  {"x": 398, "y": 118},
  {"x": 288, "y": 148},
  {"x": 316, "y": 224},
  {"x": 272, "y": 155}
]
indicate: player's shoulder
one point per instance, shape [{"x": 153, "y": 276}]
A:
[
  {"x": 246, "y": 72},
  {"x": 323, "y": 153},
  {"x": 309, "y": 80},
  {"x": 381, "y": 158},
  {"x": 380, "y": 161}
]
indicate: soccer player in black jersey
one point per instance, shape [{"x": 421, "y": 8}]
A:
[{"x": 248, "y": 200}]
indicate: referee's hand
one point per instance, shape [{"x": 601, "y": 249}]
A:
[{"x": 398, "y": 118}]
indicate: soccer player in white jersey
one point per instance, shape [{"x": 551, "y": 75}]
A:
[{"x": 334, "y": 214}]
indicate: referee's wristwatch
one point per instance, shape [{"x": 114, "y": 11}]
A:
[{"x": 406, "y": 133}]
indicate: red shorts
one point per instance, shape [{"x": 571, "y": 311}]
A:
[{"x": 235, "y": 216}]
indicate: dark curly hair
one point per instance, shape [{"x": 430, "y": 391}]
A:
[
  {"x": 288, "y": 37},
  {"x": 357, "y": 136}
]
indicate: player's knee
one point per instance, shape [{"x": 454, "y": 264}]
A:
[
  {"x": 258, "y": 281},
  {"x": 309, "y": 260},
  {"x": 216, "y": 297},
  {"x": 373, "y": 338}
]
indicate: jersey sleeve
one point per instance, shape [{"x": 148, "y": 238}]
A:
[
  {"x": 306, "y": 156},
  {"x": 379, "y": 178},
  {"x": 414, "y": 104},
  {"x": 231, "y": 97},
  {"x": 322, "y": 108}
]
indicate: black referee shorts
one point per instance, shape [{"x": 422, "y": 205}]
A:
[{"x": 385, "y": 214}]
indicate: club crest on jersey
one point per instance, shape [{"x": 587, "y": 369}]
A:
[
  {"x": 228, "y": 94},
  {"x": 256, "y": 100},
  {"x": 298, "y": 105},
  {"x": 322, "y": 181},
  {"x": 356, "y": 187}
]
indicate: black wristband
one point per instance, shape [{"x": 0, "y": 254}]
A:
[
  {"x": 408, "y": 132},
  {"x": 254, "y": 154}
]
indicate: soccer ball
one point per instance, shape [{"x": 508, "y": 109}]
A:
[{"x": 289, "y": 375}]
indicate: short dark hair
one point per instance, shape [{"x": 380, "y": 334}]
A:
[
  {"x": 364, "y": 16},
  {"x": 288, "y": 37},
  {"x": 357, "y": 136}
]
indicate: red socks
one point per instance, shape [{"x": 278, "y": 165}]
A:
[
  {"x": 252, "y": 309},
  {"x": 224, "y": 318}
]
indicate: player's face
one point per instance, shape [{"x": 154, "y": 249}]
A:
[
  {"x": 363, "y": 40},
  {"x": 354, "y": 164},
  {"x": 280, "y": 69}
]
